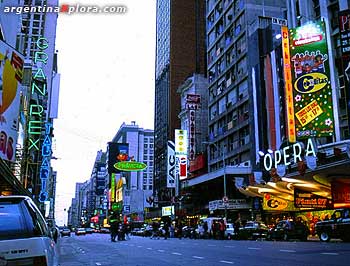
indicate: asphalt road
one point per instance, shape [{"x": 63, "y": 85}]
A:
[{"x": 98, "y": 250}]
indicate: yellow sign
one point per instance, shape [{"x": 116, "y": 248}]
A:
[
  {"x": 309, "y": 113},
  {"x": 273, "y": 203},
  {"x": 311, "y": 82},
  {"x": 288, "y": 84}
]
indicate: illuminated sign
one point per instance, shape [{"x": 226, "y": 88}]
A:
[
  {"x": 130, "y": 166},
  {"x": 182, "y": 166},
  {"x": 181, "y": 142},
  {"x": 312, "y": 92},
  {"x": 273, "y": 203},
  {"x": 11, "y": 72},
  {"x": 288, "y": 85},
  {"x": 113, "y": 187},
  {"x": 306, "y": 199},
  {"x": 171, "y": 168},
  {"x": 168, "y": 210},
  {"x": 272, "y": 160},
  {"x": 45, "y": 163}
]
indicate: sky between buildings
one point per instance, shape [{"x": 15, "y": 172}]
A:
[{"x": 106, "y": 62}]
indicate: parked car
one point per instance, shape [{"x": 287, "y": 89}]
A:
[
  {"x": 336, "y": 227},
  {"x": 22, "y": 227},
  {"x": 105, "y": 230},
  {"x": 253, "y": 230},
  {"x": 230, "y": 231},
  {"x": 80, "y": 231},
  {"x": 89, "y": 230},
  {"x": 285, "y": 230},
  {"x": 65, "y": 232}
]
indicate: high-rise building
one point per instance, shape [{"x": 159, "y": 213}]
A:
[
  {"x": 139, "y": 184},
  {"x": 180, "y": 52}
]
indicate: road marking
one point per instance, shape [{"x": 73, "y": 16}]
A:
[
  {"x": 131, "y": 245},
  {"x": 254, "y": 248},
  {"x": 149, "y": 248},
  {"x": 211, "y": 245},
  {"x": 175, "y": 253},
  {"x": 139, "y": 246},
  {"x": 287, "y": 250},
  {"x": 97, "y": 263},
  {"x": 225, "y": 261},
  {"x": 330, "y": 253},
  {"x": 196, "y": 257},
  {"x": 229, "y": 246},
  {"x": 160, "y": 250}
]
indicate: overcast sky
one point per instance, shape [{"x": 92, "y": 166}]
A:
[{"x": 106, "y": 63}]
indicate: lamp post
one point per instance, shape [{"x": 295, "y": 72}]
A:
[{"x": 224, "y": 168}]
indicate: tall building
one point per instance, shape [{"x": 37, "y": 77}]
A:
[
  {"x": 180, "y": 52},
  {"x": 139, "y": 184}
]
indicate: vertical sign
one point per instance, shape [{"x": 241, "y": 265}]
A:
[
  {"x": 344, "y": 32},
  {"x": 312, "y": 92},
  {"x": 113, "y": 187},
  {"x": 171, "y": 171},
  {"x": 288, "y": 85},
  {"x": 181, "y": 145},
  {"x": 192, "y": 134}
]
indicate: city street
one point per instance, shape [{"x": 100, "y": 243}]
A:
[{"x": 96, "y": 250}]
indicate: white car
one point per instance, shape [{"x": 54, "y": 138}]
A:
[
  {"x": 230, "y": 231},
  {"x": 25, "y": 238}
]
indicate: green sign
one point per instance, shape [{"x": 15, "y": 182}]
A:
[
  {"x": 117, "y": 206},
  {"x": 130, "y": 166},
  {"x": 312, "y": 91}
]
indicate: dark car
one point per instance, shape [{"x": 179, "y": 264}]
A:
[
  {"x": 286, "y": 229},
  {"x": 336, "y": 227},
  {"x": 89, "y": 230},
  {"x": 65, "y": 232},
  {"x": 253, "y": 230},
  {"x": 80, "y": 231}
]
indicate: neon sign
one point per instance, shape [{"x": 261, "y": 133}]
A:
[
  {"x": 272, "y": 160},
  {"x": 130, "y": 166}
]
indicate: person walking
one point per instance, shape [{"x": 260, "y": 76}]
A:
[
  {"x": 166, "y": 230},
  {"x": 113, "y": 222}
]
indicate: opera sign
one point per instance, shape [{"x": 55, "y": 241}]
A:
[
  {"x": 130, "y": 166},
  {"x": 311, "y": 82},
  {"x": 272, "y": 160}
]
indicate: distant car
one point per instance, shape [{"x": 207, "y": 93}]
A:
[
  {"x": 65, "y": 232},
  {"x": 105, "y": 230},
  {"x": 286, "y": 230},
  {"x": 253, "y": 230},
  {"x": 23, "y": 228},
  {"x": 80, "y": 231},
  {"x": 230, "y": 231},
  {"x": 135, "y": 231},
  {"x": 89, "y": 230}
]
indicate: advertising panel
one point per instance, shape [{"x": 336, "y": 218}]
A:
[
  {"x": 306, "y": 199},
  {"x": 117, "y": 152},
  {"x": 288, "y": 85},
  {"x": 344, "y": 33},
  {"x": 182, "y": 166},
  {"x": 340, "y": 194},
  {"x": 11, "y": 72},
  {"x": 171, "y": 168},
  {"x": 273, "y": 203},
  {"x": 181, "y": 142},
  {"x": 192, "y": 134},
  {"x": 168, "y": 210},
  {"x": 312, "y": 92}
]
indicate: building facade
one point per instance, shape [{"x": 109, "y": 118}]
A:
[{"x": 176, "y": 60}]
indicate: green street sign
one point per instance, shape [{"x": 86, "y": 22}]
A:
[{"x": 130, "y": 166}]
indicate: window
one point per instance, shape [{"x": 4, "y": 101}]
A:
[
  {"x": 232, "y": 96},
  {"x": 213, "y": 112},
  {"x": 230, "y": 56},
  {"x": 242, "y": 67},
  {"x": 211, "y": 38},
  {"x": 151, "y": 140},
  {"x": 151, "y": 146},
  {"x": 145, "y": 145},
  {"x": 243, "y": 89},
  {"x": 222, "y": 105},
  {"x": 151, "y": 158},
  {"x": 241, "y": 45},
  {"x": 145, "y": 157}
]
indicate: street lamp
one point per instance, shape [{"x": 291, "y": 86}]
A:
[{"x": 224, "y": 168}]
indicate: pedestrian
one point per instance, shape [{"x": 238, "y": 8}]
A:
[
  {"x": 113, "y": 222},
  {"x": 205, "y": 227},
  {"x": 179, "y": 230},
  {"x": 127, "y": 231},
  {"x": 222, "y": 228},
  {"x": 155, "y": 227},
  {"x": 166, "y": 230}
]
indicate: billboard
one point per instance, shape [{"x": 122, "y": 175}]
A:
[
  {"x": 117, "y": 152},
  {"x": 171, "y": 167},
  {"x": 312, "y": 91},
  {"x": 181, "y": 145},
  {"x": 344, "y": 34},
  {"x": 11, "y": 72},
  {"x": 306, "y": 199}
]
